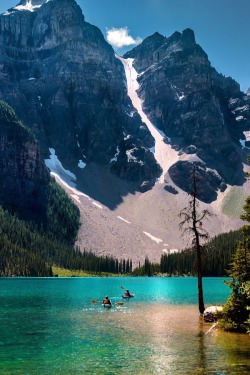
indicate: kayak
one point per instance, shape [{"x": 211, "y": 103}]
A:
[
  {"x": 131, "y": 295},
  {"x": 107, "y": 305}
]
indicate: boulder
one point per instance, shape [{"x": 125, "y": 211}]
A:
[{"x": 210, "y": 314}]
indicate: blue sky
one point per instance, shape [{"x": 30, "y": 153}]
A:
[{"x": 222, "y": 27}]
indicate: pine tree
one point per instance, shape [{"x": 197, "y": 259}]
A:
[{"x": 236, "y": 313}]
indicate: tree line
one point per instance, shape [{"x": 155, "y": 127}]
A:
[{"x": 217, "y": 256}]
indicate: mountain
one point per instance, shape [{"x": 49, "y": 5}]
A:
[
  {"x": 123, "y": 134},
  {"x": 202, "y": 112},
  {"x": 64, "y": 81}
]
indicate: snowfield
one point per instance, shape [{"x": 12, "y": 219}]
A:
[{"x": 164, "y": 154}]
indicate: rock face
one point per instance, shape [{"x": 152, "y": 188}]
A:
[
  {"x": 64, "y": 82},
  {"x": 201, "y": 111},
  {"x": 208, "y": 181},
  {"x": 24, "y": 178}
]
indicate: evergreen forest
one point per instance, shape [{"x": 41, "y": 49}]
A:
[
  {"x": 26, "y": 250},
  {"x": 217, "y": 256}
]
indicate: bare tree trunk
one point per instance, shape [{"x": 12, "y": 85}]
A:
[
  {"x": 199, "y": 274},
  {"x": 198, "y": 250},
  {"x": 192, "y": 222}
]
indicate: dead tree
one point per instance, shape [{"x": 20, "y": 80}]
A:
[{"x": 192, "y": 224}]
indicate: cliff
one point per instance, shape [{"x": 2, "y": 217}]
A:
[
  {"x": 24, "y": 177},
  {"x": 65, "y": 82}
]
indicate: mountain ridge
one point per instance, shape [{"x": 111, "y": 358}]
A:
[
  {"x": 67, "y": 81},
  {"x": 191, "y": 103},
  {"x": 64, "y": 80}
]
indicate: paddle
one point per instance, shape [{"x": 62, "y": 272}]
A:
[{"x": 118, "y": 303}]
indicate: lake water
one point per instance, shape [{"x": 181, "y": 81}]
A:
[{"x": 51, "y": 326}]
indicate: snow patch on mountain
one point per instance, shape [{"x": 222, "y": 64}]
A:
[
  {"x": 247, "y": 138},
  {"x": 242, "y": 109},
  {"x": 132, "y": 158},
  {"x": 75, "y": 194},
  {"x": 180, "y": 97},
  {"x": 164, "y": 154},
  {"x": 239, "y": 118},
  {"x": 121, "y": 218},
  {"x": 114, "y": 159},
  {"x": 153, "y": 238},
  {"x": 27, "y": 6},
  {"x": 97, "y": 205},
  {"x": 55, "y": 166},
  {"x": 81, "y": 164}
]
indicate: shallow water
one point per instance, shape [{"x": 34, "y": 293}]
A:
[{"x": 50, "y": 326}]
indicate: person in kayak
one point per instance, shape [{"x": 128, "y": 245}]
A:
[
  {"x": 127, "y": 293},
  {"x": 106, "y": 301}
]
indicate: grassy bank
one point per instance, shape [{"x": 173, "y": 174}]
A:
[{"x": 62, "y": 272}]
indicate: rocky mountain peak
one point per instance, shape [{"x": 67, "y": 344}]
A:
[
  {"x": 28, "y": 4},
  {"x": 154, "y": 38},
  {"x": 148, "y": 46},
  {"x": 32, "y": 6},
  {"x": 64, "y": 81},
  {"x": 188, "y": 37},
  {"x": 157, "y": 47}
]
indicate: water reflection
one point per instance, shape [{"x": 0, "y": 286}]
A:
[{"x": 175, "y": 340}]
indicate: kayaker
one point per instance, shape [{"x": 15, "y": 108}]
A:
[
  {"x": 127, "y": 293},
  {"x": 106, "y": 301}
]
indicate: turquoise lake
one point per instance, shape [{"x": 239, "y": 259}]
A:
[{"x": 51, "y": 326}]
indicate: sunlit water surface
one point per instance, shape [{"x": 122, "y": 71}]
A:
[{"x": 51, "y": 326}]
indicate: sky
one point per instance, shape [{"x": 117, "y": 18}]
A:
[{"x": 221, "y": 27}]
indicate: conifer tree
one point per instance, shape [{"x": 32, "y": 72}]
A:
[{"x": 236, "y": 313}]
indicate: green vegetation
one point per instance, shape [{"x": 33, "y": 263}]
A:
[
  {"x": 63, "y": 217},
  {"x": 63, "y": 272},
  {"x": 217, "y": 255},
  {"x": 9, "y": 118},
  {"x": 27, "y": 251},
  {"x": 147, "y": 269},
  {"x": 17, "y": 261},
  {"x": 233, "y": 202},
  {"x": 236, "y": 312}
]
